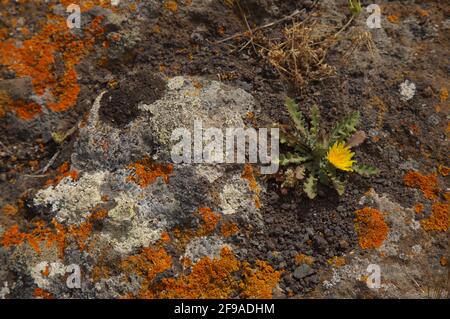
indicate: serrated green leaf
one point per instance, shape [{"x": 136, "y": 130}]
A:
[
  {"x": 366, "y": 170},
  {"x": 297, "y": 117},
  {"x": 339, "y": 186},
  {"x": 290, "y": 158},
  {"x": 345, "y": 128},
  {"x": 310, "y": 187},
  {"x": 315, "y": 121}
]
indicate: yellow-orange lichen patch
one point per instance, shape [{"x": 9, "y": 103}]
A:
[
  {"x": 393, "y": 18},
  {"x": 146, "y": 172},
  {"x": 209, "y": 278},
  {"x": 228, "y": 229},
  {"x": 439, "y": 219},
  {"x": 443, "y": 95},
  {"x": 249, "y": 175},
  {"x": 54, "y": 235},
  {"x": 370, "y": 227},
  {"x": 443, "y": 261},
  {"x": 171, "y": 5},
  {"x": 63, "y": 171},
  {"x": 258, "y": 283},
  {"x": 428, "y": 184},
  {"x": 418, "y": 208},
  {"x": 304, "y": 259},
  {"x": 209, "y": 219},
  {"x": 10, "y": 210},
  {"x": 444, "y": 170},
  {"x": 337, "y": 261},
  {"x": 42, "y": 294},
  {"x": 37, "y": 58},
  {"x": 147, "y": 264}
]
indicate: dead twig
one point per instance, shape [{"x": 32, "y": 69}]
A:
[
  {"x": 50, "y": 163},
  {"x": 268, "y": 25}
]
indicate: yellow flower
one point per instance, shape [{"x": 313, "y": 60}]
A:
[{"x": 341, "y": 157}]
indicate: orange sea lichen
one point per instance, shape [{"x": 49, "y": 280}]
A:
[
  {"x": 304, "y": 259},
  {"x": 146, "y": 172},
  {"x": 370, "y": 227},
  {"x": 228, "y": 229},
  {"x": 428, "y": 184},
  {"x": 249, "y": 175},
  {"x": 439, "y": 219}
]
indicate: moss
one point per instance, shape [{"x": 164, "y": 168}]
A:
[
  {"x": 428, "y": 184},
  {"x": 439, "y": 219},
  {"x": 370, "y": 227}
]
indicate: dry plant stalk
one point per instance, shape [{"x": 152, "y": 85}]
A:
[{"x": 300, "y": 55}]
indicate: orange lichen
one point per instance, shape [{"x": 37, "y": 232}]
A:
[
  {"x": 418, "y": 208},
  {"x": 258, "y": 283},
  {"x": 147, "y": 264},
  {"x": 443, "y": 95},
  {"x": 428, "y": 184},
  {"x": 171, "y": 5},
  {"x": 54, "y": 235},
  {"x": 422, "y": 13},
  {"x": 337, "y": 261},
  {"x": 443, "y": 261},
  {"x": 444, "y": 170},
  {"x": 41, "y": 293},
  {"x": 37, "y": 58},
  {"x": 249, "y": 175},
  {"x": 210, "y": 221},
  {"x": 208, "y": 279},
  {"x": 46, "y": 271},
  {"x": 10, "y": 210},
  {"x": 165, "y": 237},
  {"x": 439, "y": 219},
  {"x": 146, "y": 172},
  {"x": 393, "y": 18},
  {"x": 370, "y": 227},
  {"x": 63, "y": 171},
  {"x": 304, "y": 259},
  {"x": 228, "y": 229}
]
